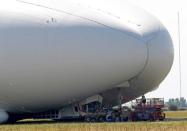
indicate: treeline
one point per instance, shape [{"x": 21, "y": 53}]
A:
[{"x": 176, "y": 103}]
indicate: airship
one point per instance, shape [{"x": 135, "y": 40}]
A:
[{"x": 55, "y": 55}]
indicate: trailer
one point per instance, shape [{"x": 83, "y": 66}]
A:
[{"x": 92, "y": 110}]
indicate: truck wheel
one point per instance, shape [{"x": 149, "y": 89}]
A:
[
  {"x": 88, "y": 119},
  {"x": 151, "y": 118},
  {"x": 125, "y": 119},
  {"x": 93, "y": 120},
  {"x": 101, "y": 119},
  {"x": 109, "y": 118},
  {"x": 161, "y": 119}
]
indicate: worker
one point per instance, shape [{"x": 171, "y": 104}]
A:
[{"x": 143, "y": 100}]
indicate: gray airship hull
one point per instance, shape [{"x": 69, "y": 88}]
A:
[{"x": 50, "y": 57}]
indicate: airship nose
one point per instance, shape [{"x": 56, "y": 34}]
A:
[{"x": 160, "y": 54}]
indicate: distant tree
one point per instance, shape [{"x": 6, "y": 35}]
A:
[
  {"x": 177, "y": 102},
  {"x": 183, "y": 102}
]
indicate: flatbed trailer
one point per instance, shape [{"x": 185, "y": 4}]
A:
[{"x": 92, "y": 110}]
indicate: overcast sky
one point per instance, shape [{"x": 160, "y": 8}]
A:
[{"x": 166, "y": 12}]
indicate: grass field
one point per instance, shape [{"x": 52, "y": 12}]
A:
[
  {"x": 126, "y": 126},
  {"x": 176, "y": 114},
  {"x": 138, "y": 126}
]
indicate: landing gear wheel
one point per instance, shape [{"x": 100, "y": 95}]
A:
[
  {"x": 101, "y": 119},
  {"x": 87, "y": 119}
]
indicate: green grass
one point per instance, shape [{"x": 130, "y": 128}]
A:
[
  {"x": 137, "y": 126},
  {"x": 46, "y": 125},
  {"x": 176, "y": 114}
]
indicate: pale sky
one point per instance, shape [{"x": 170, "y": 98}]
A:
[{"x": 166, "y": 12}]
